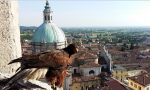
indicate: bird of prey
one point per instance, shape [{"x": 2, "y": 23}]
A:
[{"x": 52, "y": 65}]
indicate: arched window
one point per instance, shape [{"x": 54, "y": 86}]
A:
[
  {"x": 82, "y": 88},
  {"x": 48, "y": 18},
  {"x": 91, "y": 72},
  {"x": 75, "y": 71},
  {"x": 45, "y": 17}
]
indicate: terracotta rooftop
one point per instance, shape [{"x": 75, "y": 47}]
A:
[
  {"x": 143, "y": 79},
  {"x": 84, "y": 79},
  {"x": 113, "y": 85},
  {"x": 84, "y": 55},
  {"x": 117, "y": 52},
  {"x": 95, "y": 52},
  {"x": 128, "y": 57},
  {"x": 90, "y": 65}
]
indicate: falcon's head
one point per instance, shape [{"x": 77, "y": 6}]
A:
[{"x": 71, "y": 49}]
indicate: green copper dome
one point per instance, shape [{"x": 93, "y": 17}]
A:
[{"x": 48, "y": 33}]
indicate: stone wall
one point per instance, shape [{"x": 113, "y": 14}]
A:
[{"x": 10, "y": 47}]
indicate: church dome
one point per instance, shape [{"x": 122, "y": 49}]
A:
[
  {"x": 48, "y": 36},
  {"x": 48, "y": 33}
]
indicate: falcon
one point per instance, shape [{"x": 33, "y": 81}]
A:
[{"x": 52, "y": 65}]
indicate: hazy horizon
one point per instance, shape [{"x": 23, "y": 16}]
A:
[{"x": 86, "y": 13}]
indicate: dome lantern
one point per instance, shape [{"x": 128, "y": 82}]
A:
[{"x": 47, "y": 13}]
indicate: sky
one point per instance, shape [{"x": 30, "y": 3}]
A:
[{"x": 87, "y": 13}]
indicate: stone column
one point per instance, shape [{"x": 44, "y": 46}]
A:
[{"x": 10, "y": 47}]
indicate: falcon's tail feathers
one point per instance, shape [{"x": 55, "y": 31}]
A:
[{"x": 15, "y": 78}]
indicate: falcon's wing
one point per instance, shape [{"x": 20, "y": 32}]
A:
[
  {"x": 55, "y": 59},
  {"x": 52, "y": 59},
  {"x": 36, "y": 66}
]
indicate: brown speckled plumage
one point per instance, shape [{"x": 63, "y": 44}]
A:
[{"x": 51, "y": 65}]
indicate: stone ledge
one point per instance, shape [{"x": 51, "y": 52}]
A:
[{"x": 25, "y": 85}]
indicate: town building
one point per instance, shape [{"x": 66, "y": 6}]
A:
[
  {"x": 140, "y": 82},
  {"x": 85, "y": 71},
  {"x": 85, "y": 82},
  {"x": 119, "y": 73}
]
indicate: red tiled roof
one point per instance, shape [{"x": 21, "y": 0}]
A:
[
  {"x": 95, "y": 52},
  {"x": 113, "y": 85},
  {"x": 84, "y": 79},
  {"x": 143, "y": 79},
  {"x": 83, "y": 55},
  {"x": 128, "y": 57},
  {"x": 90, "y": 65}
]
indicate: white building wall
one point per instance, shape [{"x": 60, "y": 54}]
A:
[
  {"x": 147, "y": 88},
  {"x": 85, "y": 71},
  {"x": 132, "y": 73}
]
